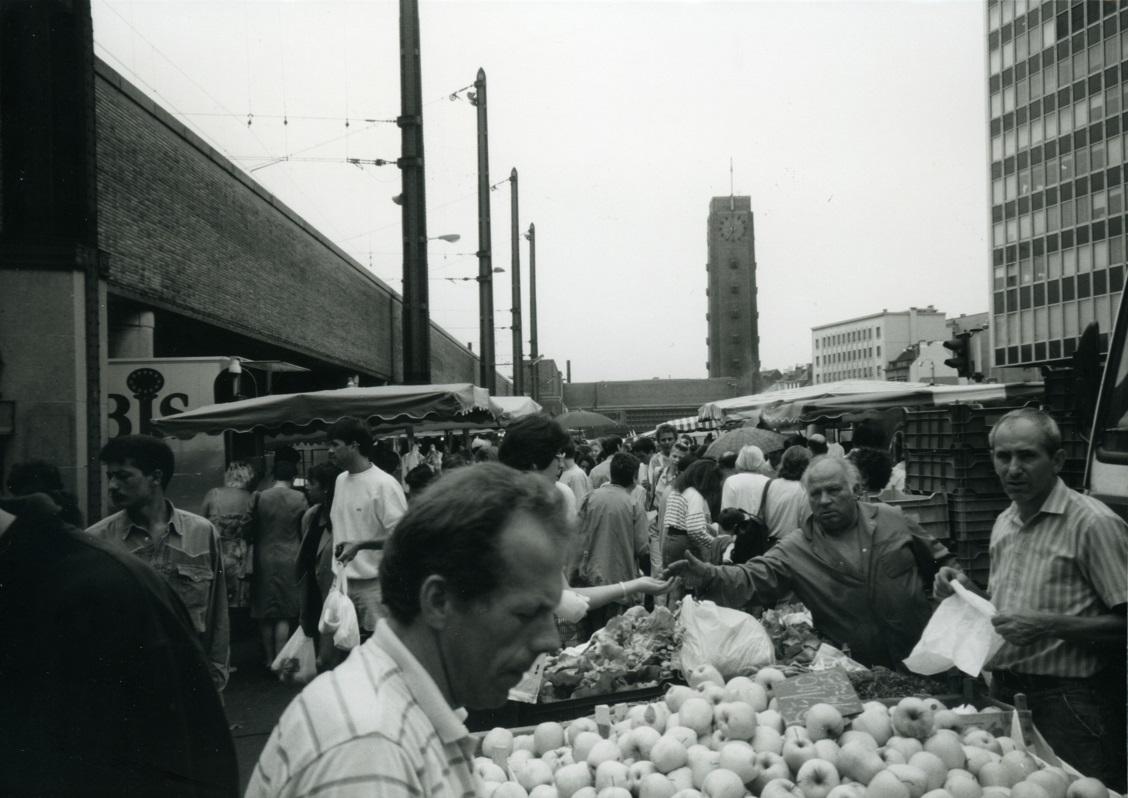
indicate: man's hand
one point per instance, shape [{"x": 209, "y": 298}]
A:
[
  {"x": 650, "y": 586},
  {"x": 347, "y": 551},
  {"x": 1022, "y": 629},
  {"x": 942, "y": 584},
  {"x": 691, "y": 569}
]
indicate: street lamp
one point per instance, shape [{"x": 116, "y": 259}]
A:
[{"x": 451, "y": 237}]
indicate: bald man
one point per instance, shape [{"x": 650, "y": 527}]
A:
[{"x": 861, "y": 569}]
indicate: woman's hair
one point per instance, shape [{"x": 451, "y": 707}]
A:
[
  {"x": 704, "y": 476},
  {"x": 239, "y": 474},
  {"x": 325, "y": 475}
]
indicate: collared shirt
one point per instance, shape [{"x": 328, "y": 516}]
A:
[
  {"x": 189, "y": 557},
  {"x": 375, "y": 725},
  {"x": 1070, "y": 558}
]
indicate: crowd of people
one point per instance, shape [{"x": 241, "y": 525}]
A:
[{"x": 466, "y": 566}]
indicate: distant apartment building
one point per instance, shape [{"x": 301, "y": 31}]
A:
[
  {"x": 922, "y": 362},
  {"x": 860, "y": 348},
  {"x": 1057, "y": 116}
]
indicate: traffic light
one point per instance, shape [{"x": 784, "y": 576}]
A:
[{"x": 961, "y": 359}]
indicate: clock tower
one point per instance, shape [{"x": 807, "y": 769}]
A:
[{"x": 734, "y": 338}]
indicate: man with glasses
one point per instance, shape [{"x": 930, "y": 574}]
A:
[{"x": 538, "y": 444}]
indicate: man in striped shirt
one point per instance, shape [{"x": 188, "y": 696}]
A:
[
  {"x": 471, "y": 577},
  {"x": 1059, "y": 579}
]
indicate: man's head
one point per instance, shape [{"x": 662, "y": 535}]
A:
[
  {"x": 349, "y": 443},
  {"x": 679, "y": 450},
  {"x": 534, "y": 443},
  {"x": 609, "y": 445},
  {"x": 476, "y": 563},
  {"x": 624, "y": 469},
  {"x": 817, "y": 444},
  {"x": 750, "y": 458},
  {"x": 569, "y": 451},
  {"x": 284, "y": 470},
  {"x": 832, "y": 492},
  {"x": 666, "y": 435},
  {"x": 1026, "y": 450},
  {"x": 875, "y": 466},
  {"x": 794, "y": 462},
  {"x": 643, "y": 448},
  {"x": 138, "y": 468}
]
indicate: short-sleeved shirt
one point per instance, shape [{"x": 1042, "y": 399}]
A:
[
  {"x": 375, "y": 725},
  {"x": 1070, "y": 558},
  {"x": 366, "y": 506}
]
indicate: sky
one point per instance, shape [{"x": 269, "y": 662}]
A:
[{"x": 858, "y": 129}]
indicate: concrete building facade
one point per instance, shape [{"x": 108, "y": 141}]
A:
[
  {"x": 861, "y": 348},
  {"x": 733, "y": 318}
]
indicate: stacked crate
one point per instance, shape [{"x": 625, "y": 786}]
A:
[{"x": 1060, "y": 386}]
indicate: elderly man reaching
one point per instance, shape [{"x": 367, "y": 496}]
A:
[
  {"x": 471, "y": 577},
  {"x": 861, "y": 569}
]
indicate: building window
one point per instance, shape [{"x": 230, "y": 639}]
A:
[{"x": 878, "y": 351}]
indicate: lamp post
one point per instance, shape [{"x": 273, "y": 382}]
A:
[
  {"x": 534, "y": 358},
  {"x": 486, "y": 356},
  {"x": 416, "y": 313},
  {"x": 515, "y": 237}
]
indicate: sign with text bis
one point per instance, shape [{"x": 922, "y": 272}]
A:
[{"x": 799, "y": 693}]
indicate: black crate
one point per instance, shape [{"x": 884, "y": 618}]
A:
[
  {"x": 971, "y": 516},
  {"x": 930, "y": 512},
  {"x": 950, "y": 470},
  {"x": 1058, "y": 390},
  {"x": 953, "y": 427}
]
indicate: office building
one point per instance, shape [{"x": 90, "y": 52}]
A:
[{"x": 860, "y": 348}]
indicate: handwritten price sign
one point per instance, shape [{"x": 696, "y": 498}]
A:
[{"x": 799, "y": 693}]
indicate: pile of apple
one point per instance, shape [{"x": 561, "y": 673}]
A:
[{"x": 726, "y": 740}]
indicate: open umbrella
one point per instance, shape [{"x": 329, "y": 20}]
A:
[
  {"x": 733, "y": 440},
  {"x": 586, "y": 419}
]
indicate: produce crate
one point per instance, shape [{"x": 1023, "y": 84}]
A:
[
  {"x": 950, "y": 470},
  {"x": 1057, "y": 385},
  {"x": 931, "y": 512},
  {"x": 972, "y": 516},
  {"x": 519, "y": 714},
  {"x": 952, "y": 427}
]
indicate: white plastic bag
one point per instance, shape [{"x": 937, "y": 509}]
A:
[
  {"x": 338, "y": 616},
  {"x": 731, "y": 641},
  {"x": 297, "y": 661},
  {"x": 959, "y": 634}
]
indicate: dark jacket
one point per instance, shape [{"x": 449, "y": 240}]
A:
[{"x": 879, "y": 612}]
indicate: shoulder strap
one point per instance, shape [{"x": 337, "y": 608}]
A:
[{"x": 763, "y": 512}]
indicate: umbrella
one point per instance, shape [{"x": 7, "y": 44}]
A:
[
  {"x": 734, "y": 440},
  {"x": 586, "y": 419}
]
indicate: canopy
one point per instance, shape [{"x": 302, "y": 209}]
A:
[
  {"x": 387, "y": 405},
  {"x": 511, "y": 408}
]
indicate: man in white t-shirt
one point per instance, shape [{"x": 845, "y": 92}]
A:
[
  {"x": 367, "y": 505},
  {"x": 537, "y": 444}
]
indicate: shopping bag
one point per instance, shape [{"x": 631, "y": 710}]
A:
[
  {"x": 959, "y": 634},
  {"x": 297, "y": 661},
  {"x": 731, "y": 641},
  {"x": 338, "y": 615}
]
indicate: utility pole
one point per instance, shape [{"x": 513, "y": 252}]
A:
[
  {"x": 533, "y": 351},
  {"x": 416, "y": 313},
  {"x": 486, "y": 356},
  {"x": 515, "y": 236}
]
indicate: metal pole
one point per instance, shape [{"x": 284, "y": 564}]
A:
[
  {"x": 416, "y": 315},
  {"x": 518, "y": 364},
  {"x": 533, "y": 352},
  {"x": 486, "y": 356}
]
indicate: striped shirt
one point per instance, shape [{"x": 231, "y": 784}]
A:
[
  {"x": 376, "y": 725},
  {"x": 1070, "y": 558}
]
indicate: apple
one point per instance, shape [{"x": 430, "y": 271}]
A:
[
  {"x": 797, "y": 733},
  {"x": 611, "y": 773},
  {"x": 612, "y": 792},
  {"x": 770, "y": 718},
  {"x": 1029, "y": 789},
  {"x": 497, "y": 744},
  {"x": 1088, "y": 787},
  {"x": 546, "y": 736},
  {"x": 656, "y": 785},
  {"x": 767, "y": 677},
  {"x": 603, "y": 751},
  {"x": 571, "y": 778},
  {"x": 996, "y": 774},
  {"x": 677, "y": 694},
  {"x": 488, "y": 770},
  {"x": 583, "y": 744},
  {"x": 913, "y": 777},
  {"x": 668, "y": 754},
  {"x": 933, "y": 767},
  {"x": 938, "y": 793},
  {"x": 700, "y": 761},
  {"x": 816, "y": 778},
  {"x": 766, "y": 738},
  {"x": 510, "y": 789},
  {"x": 946, "y": 744},
  {"x": 704, "y": 673},
  {"x": 893, "y": 756},
  {"x": 912, "y": 717},
  {"x": 906, "y": 745},
  {"x": 639, "y": 742},
  {"x": 688, "y": 793},
  {"x": 796, "y": 752},
  {"x": 713, "y": 693},
  {"x": 996, "y": 792},
  {"x": 1020, "y": 764},
  {"x": 947, "y": 719},
  {"x": 524, "y": 742},
  {"x": 735, "y": 720},
  {"x": 741, "y": 688},
  {"x": 981, "y": 738},
  {"x": 534, "y": 772},
  {"x": 579, "y": 725},
  {"x": 518, "y": 759},
  {"x": 781, "y": 788},
  {"x": 638, "y": 771},
  {"x": 858, "y": 736},
  {"x": 823, "y": 722},
  {"x": 681, "y": 778},
  {"x": 656, "y": 715},
  {"x": 827, "y": 750},
  {"x": 722, "y": 783},
  {"x": 545, "y": 791},
  {"x": 886, "y": 785},
  {"x": 978, "y": 757},
  {"x": 935, "y": 704},
  {"x": 771, "y": 767},
  {"x": 858, "y": 762},
  {"x": 697, "y": 714},
  {"x": 1052, "y": 780},
  {"x": 851, "y": 790},
  {"x": 739, "y": 757},
  {"x": 961, "y": 784},
  {"x": 1006, "y": 745},
  {"x": 875, "y": 723}
]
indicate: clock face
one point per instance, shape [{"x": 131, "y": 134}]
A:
[{"x": 732, "y": 228}]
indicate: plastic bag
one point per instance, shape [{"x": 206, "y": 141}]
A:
[
  {"x": 297, "y": 661},
  {"x": 731, "y": 641},
  {"x": 959, "y": 634},
  {"x": 338, "y": 616}
]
